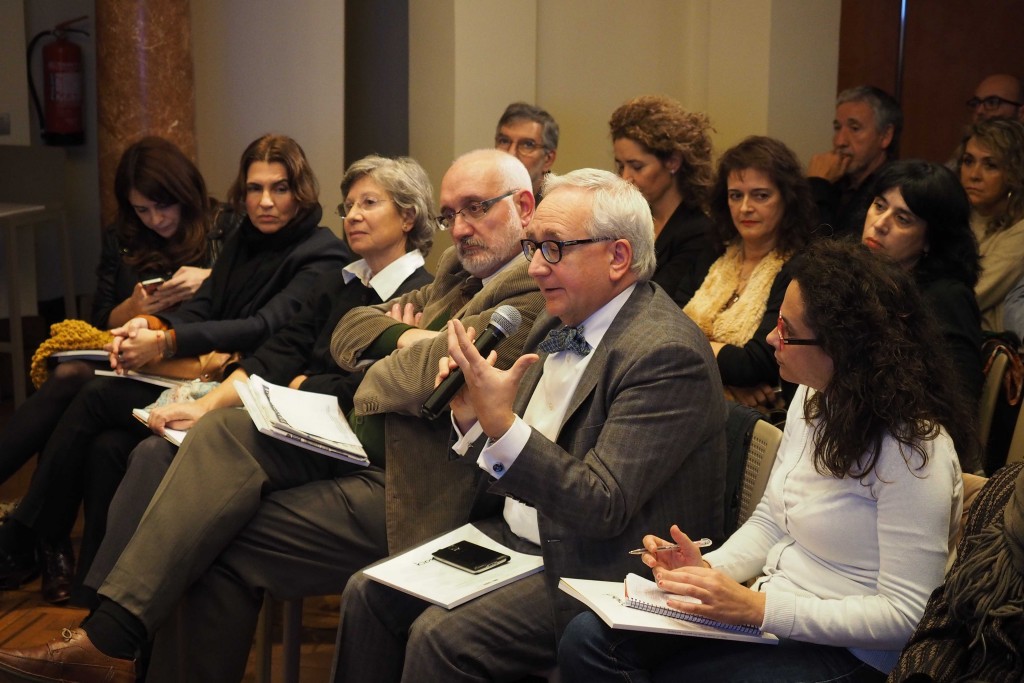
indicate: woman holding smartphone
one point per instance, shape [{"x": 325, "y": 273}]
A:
[
  {"x": 257, "y": 284},
  {"x": 164, "y": 228}
]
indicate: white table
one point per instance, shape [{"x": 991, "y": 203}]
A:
[{"x": 13, "y": 219}]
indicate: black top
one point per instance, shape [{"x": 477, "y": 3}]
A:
[
  {"x": 842, "y": 206},
  {"x": 303, "y": 346},
  {"x": 754, "y": 362},
  {"x": 682, "y": 249},
  {"x": 954, "y": 306},
  {"x": 256, "y": 287},
  {"x": 116, "y": 280}
]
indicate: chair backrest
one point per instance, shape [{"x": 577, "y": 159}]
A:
[
  {"x": 739, "y": 429},
  {"x": 989, "y": 396},
  {"x": 1016, "y": 453},
  {"x": 764, "y": 444}
]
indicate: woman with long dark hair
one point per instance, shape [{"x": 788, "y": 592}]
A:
[
  {"x": 853, "y": 531},
  {"x": 164, "y": 228},
  {"x": 264, "y": 271},
  {"x": 920, "y": 218}
]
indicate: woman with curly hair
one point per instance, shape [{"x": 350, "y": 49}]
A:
[
  {"x": 666, "y": 152},
  {"x": 762, "y": 210},
  {"x": 853, "y": 531},
  {"x": 991, "y": 165},
  {"x": 920, "y": 218}
]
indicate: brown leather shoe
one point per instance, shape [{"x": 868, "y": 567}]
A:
[{"x": 72, "y": 657}]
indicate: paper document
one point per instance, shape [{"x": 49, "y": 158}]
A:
[
  {"x": 417, "y": 573},
  {"x": 303, "y": 418},
  {"x": 95, "y": 355},
  {"x": 608, "y": 600},
  {"x": 165, "y": 382},
  {"x": 175, "y": 436}
]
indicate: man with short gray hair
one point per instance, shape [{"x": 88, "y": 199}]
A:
[
  {"x": 866, "y": 136},
  {"x": 580, "y": 446},
  {"x": 531, "y": 135}
]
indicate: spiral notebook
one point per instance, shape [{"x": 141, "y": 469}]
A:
[{"x": 639, "y": 605}]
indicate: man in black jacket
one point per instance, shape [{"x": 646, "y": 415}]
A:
[{"x": 866, "y": 136}]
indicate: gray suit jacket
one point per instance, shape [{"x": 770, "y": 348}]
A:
[
  {"x": 426, "y": 491},
  {"x": 642, "y": 447}
]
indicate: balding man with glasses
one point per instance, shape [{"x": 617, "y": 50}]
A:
[{"x": 997, "y": 96}]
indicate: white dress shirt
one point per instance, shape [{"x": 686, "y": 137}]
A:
[
  {"x": 545, "y": 412},
  {"x": 387, "y": 281}
]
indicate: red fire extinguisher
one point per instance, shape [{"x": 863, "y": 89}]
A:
[{"x": 61, "y": 119}]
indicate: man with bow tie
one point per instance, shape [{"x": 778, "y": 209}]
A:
[{"x": 615, "y": 428}]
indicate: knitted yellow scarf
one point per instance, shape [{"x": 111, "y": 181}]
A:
[
  {"x": 67, "y": 335},
  {"x": 737, "y": 324}
]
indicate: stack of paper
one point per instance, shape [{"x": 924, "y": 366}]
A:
[
  {"x": 415, "y": 571},
  {"x": 175, "y": 436},
  {"x": 609, "y": 601},
  {"x": 312, "y": 421}
]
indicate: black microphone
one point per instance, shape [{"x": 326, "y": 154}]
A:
[{"x": 504, "y": 322}]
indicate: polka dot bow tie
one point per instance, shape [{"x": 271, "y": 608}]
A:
[{"x": 566, "y": 338}]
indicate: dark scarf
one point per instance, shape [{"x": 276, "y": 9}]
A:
[{"x": 259, "y": 256}]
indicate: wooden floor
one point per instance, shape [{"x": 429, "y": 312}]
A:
[{"x": 26, "y": 620}]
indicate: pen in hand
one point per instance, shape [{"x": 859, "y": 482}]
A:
[{"x": 702, "y": 543}]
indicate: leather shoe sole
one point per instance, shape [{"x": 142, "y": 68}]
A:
[{"x": 72, "y": 657}]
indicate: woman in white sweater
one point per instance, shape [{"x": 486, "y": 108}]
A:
[
  {"x": 852, "y": 534},
  {"x": 991, "y": 164}
]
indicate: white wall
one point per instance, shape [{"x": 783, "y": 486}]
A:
[
  {"x": 82, "y": 176},
  {"x": 265, "y": 66},
  {"x": 754, "y": 66},
  {"x": 14, "y": 97}
]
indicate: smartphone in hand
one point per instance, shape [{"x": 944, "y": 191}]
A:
[
  {"x": 470, "y": 557},
  {"x": 152, "y": 284}
]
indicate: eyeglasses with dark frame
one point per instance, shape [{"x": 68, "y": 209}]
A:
[
  {"x": 551, "y": 250},
  {"x": 524, "y": 146},
  {"x": 471, "y": 210},
  {"x": 792, "y": 341},
  {"x": 990, "y": 103}
]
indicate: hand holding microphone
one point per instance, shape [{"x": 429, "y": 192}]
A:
[{"x": 505, "y": 321}]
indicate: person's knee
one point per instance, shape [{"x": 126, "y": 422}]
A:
[
  {"x": 582, "y": 636},
  {"x": 68, "y": 378},
  {"x": 429, "y": 638},
  {"x": 154, "y": 452}
]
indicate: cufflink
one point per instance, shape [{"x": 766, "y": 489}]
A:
[{"x": 498, "y": 468}]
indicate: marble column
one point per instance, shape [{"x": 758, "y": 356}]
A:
[{"x": 145, "y": 81}]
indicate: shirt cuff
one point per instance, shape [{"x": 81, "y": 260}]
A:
[
  {"x": 465, "y": 440},
  {"x": 497, "y": 456}
]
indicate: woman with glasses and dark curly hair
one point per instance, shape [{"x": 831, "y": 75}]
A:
[
  {"x": 666, "y": 152},
  {"x": 853, "y": 531}
]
